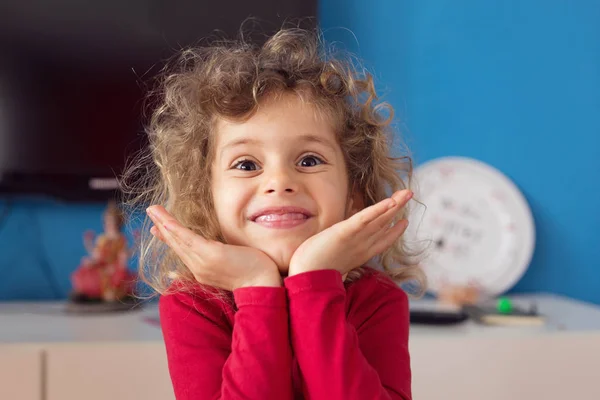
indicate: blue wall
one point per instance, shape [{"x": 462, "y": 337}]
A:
[
  {"x": 514, "y": 83},
  {"x": 41, "y": 245}
]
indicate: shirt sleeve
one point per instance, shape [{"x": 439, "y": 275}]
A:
[
  {"x": 209, "y": 360},
  {"x": 338, "y": 360}
]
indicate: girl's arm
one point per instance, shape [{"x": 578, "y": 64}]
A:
[
  {"x": 210, "y": 360},
  {"x": 212, "y": 353},
  {"x": 339, "y": 360}
]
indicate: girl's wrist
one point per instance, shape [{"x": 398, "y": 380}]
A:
[
  {"x": 295, "y": 271},
  {"x": 298, "y": 270},
  {"x": 271, "y": 279}
]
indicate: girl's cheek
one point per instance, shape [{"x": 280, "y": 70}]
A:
[{"x": 231, "y": 199}]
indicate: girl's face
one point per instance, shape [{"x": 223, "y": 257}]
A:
[{"x": 278, "y": 178}]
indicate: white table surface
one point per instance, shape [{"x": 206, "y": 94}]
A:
[
  {"x": 562, "y": 315},
  {"x": 48, "y": 322}
]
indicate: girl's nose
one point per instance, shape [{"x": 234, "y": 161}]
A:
[{"x": 281, "y": 182}]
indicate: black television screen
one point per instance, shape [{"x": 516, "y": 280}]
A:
[
  {"x": 73, "y": 78},
  {"x": 67, "y": 132}
]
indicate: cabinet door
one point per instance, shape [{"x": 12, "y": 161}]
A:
[
  {"x": 20, "y": 373},
  {"x": 517, "y": 365},
  {"x": 103, "y": 371}
]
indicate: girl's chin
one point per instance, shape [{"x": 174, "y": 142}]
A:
[
  {"x": 280, "y": 251},
  {"x": 283, "y": 270},
  {"x": 281, "y": 256},
  {"x": 282, "y": 261}
]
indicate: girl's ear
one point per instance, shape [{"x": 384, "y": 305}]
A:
[{"x": 356, "y": 203}]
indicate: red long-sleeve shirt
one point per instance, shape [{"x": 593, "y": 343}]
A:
[{"x": 314, "y": 338}]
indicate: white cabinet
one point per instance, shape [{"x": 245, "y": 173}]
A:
[
  {"x": 557, "y": 367},
  {"x": 20, "y": 372},
  {"x": 557, "y": 361},
  {"x": 46, "y": 354},
  {"x": 108, "y": 371}
]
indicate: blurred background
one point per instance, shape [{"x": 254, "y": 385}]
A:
[{"x": 512, "y": 83}]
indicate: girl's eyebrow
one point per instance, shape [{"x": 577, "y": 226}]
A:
[
  {"x": 239, "y": 142},
  {"x": 310, "y": 138},
  {"x": 306, "y": 138}
]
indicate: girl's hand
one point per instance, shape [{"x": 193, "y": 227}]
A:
[
  {"x": 352, "y": 242},
  {"x": 214, "y": 263}
]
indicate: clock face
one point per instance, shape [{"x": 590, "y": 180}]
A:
[{"x": 474, "y": 224}]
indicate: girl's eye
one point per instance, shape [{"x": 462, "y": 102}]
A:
[
  {"x": 246, "y": 165},
  {"x": 310, "y": 161}
]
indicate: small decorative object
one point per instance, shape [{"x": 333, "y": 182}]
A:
[
  {"x": 504, "y": 305},
  {"x": 103, "y": 281},
  {"x": 478, "y": 225},
  {"x": 504, "y": 313},
  {"x": 458, "y": 295}
]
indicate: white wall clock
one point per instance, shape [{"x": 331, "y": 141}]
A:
[{"x": 476, "y": 224}]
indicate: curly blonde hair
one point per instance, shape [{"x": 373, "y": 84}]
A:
[{"x": 229, "y": 79}]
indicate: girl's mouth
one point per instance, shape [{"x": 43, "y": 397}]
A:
[
  {"x": 287, "y": 220},
  {"x": 281, "y": 217}
]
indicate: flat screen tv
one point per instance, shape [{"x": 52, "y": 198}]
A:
[{"x": 74, "y": 75}]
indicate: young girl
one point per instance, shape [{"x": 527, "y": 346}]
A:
[{"x": 273, "y": 192}]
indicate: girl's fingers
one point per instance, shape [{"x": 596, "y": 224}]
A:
[
  {"x": 389, "y": 238},
  {"x": 363, "y": 218},
  {"x": 164, "y": 234},
  {"x": 183, "y": 236},
  {"x": 159, "y": 214},
  {"x": 185, "y": 254},
  {"x": 383, "y": 222},
  {"x": 156, "y": 233},
  {"x": 188, "y": 246},
  {"x": 165, "y": 222},
  {"x": 402, "y": 196}
]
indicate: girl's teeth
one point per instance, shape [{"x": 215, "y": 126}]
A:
[{"x": 280, "y": 217}]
